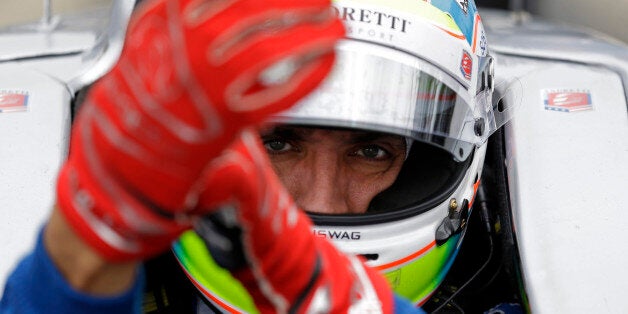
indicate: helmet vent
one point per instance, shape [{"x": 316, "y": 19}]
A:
[
  {"x": 500, "y": 105},
  {"x": 370, "y": 257}
]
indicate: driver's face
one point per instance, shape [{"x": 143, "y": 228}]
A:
[{"x": 334, "y": 171}]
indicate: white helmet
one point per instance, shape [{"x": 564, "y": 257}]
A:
[{"x": 420, "y": 69}]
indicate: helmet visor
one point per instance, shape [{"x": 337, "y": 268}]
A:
[{"x": 378, "y": 88}]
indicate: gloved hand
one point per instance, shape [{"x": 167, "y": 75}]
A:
[
  {"x": 192, "y": 74},
  {"x": 284, "y": 267}
]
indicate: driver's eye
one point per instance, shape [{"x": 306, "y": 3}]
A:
[
  {"x": 372, "y": 152},
  {"x": 277, "y": 146}
]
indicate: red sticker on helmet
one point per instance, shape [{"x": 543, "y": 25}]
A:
[{"x": 466, "y": 64}]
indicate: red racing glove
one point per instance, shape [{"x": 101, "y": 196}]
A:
[
  {"x": 286, "y": 269},
  {"x": 192, "y": 74}
]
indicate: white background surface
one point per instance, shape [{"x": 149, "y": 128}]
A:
[
  {"x": 607, "y": 16},
  {"x": 15, "y": 11}
]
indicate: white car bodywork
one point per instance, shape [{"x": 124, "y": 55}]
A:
[
  {"x": 567, "y": 170},
  {"x": 50, "y": 64}
]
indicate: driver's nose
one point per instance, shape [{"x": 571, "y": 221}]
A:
[{"x": 321, "y": 183}]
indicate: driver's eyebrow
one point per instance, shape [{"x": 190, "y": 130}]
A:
[
  {"x": 363, "y": 137},
  {"x": 288, "y": 133}
]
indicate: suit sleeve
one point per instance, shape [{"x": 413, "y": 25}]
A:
[
  {"x": 37, "y": 286},
  {"x": 403, "y": 306}
]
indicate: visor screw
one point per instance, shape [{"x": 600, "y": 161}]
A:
[
  {"x": 478, "y": 127},
  {"x": 453, "y": 204}
]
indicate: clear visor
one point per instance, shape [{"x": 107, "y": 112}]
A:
[{"x": 382, "y": 89}]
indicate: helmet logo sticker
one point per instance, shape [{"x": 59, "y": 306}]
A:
[
  {"x": 12, "y": 101},
  {"x": 337, "y": 234},
  {"x": 567, "y": 100},
  {"x": 479, "y": 44},
  {"x": 365, "y": 16},
  {"x": 466, "y": 64},
  {"x": 370, "y": 24},
  {"x": 464, "y": 5}
]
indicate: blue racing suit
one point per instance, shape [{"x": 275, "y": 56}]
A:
[{"x": 36, "y": 286}]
